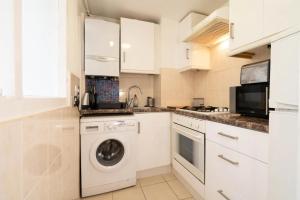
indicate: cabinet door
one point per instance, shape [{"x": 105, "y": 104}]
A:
[
  {"x": 234, "y": 175},
  {"x": 137, "y": 46},
  {"x": 184, "y": 54},
  {"x": 153, "y": 140},
  {"x": 283, "y": 155},
  {"x": 101, "y": 48},
  {"x": 246, "y": 22},
  {"x": 284, "y": 79},
  {"x": 194, "y": 56},
  {"x": 280, "y": 15}
]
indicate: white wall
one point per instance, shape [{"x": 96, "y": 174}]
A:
[{"x": 168, "y": 43}]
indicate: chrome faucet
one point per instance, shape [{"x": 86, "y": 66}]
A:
[{"x": 129, "y": 99}]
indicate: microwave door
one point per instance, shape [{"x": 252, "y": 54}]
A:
[{"x": 252, "y": 100}]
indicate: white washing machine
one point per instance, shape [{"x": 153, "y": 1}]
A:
[{"x": 108, "y": 154}]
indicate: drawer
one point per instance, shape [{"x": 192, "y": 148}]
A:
[
  {"x": 251, "y": 143},
  {"x": 234, "y": 176}
]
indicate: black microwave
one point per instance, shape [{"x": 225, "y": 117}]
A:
[{"x": 252, "y": 100}]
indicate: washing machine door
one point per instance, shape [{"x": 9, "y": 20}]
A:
[{"x": 109, "y": 154}]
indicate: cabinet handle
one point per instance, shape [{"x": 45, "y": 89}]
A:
[
  {"x": 228, "y": 160},
  {"x": 228, "y": 136},
  {"x": 124, "y": 56},
  {"x": 223, "y": 195},
  {"x": 231, "y": 30},
  {"x": 139, "y": 127},
  {"x": 267, "y": 100},
  {"x": 92, "y": 128},
  {"x": 187, "y": 54}
]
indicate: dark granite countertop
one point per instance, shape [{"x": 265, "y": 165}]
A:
[
  {"x": 99, "y": 112},
  {"x": 237, "y": 120},
  {"x": 152, "y": 109},
  {"x": 123, "y": 111},
  {"x": 253, "y": 123}
]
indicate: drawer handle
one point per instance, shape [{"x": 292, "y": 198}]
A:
[
  {"x": 228, "y": 136},
  {"x": 92, "y": 128},
  {"x": 228, "y": 160},
  {"x": 223, "y": 195}
]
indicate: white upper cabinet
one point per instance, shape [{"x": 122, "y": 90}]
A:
[
  {"x": 255, "y": 23},
  {"x": 102, "y": 47},
  {"x": 245, "y": 22},
  {"x": 187, "y": 24},
  {"x": 138, "y": 46},
  {"x": 280, "y": 15},
  {"x": 192, "y": 56},
  {"x": 284, "y": 72}
]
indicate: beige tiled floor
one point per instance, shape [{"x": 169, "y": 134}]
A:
[{"x": 164, "y": 187}]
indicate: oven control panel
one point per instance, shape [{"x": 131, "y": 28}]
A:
[{"x": 190, "y": 122}]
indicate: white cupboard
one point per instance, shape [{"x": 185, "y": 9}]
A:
[
  {"x": 138, "y": 46},
  {"x": 245, "y": 22},
  {"x": 187, "y": 24},
  {"x": 284, "y": 76},
  {"x": 102, "y": 47},
  {"x": 283, "y": 155},
  {"x": 255, "y": 23},
  {"x": 153, "y": 140},
  {"x": 236, "y": 163},
  {"x": 280, "y": 15},
  {"x": 193, "y": 56},
  {"x": 234, "y": 175}
]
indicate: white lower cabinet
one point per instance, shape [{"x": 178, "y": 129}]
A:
[
  {"x": 236, "y": 163},
  {"x": 234, "y": 176},
  {"x": 154, "y": 138}
]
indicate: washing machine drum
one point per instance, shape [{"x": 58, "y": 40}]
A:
[{"x": 110, "y": 152}]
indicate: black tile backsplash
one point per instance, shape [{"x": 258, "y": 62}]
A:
[{"x": 107, "y": 88}]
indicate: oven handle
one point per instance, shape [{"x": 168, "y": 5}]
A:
[{"x": 185, "y": 132}]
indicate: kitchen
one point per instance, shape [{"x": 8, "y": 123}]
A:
[{"x": 149, "y": 100}]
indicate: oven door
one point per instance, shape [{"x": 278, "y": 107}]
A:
[
  {"x": 252, "y": 100},
  {"x": 189, "y": 150}
]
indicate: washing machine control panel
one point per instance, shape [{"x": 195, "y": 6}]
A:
[{"x": 120, "y": 125}]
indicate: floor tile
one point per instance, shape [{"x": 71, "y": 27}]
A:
[
  {"x": 159, "y": 191},
  {"x": 132, "y": 193},
  {"x": 151, "y": 180},
  {"x": 169, "y": 177},
  {"x": 179, "y": 189},
  {"x": 107, "y": 196}
]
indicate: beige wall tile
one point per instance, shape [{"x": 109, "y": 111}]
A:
[
  {"x": 10, "y": 160},
  {"x": 214, "y": 84},
  {"x": 145, "y": 82},
  {"x": 41, "y": 155}
]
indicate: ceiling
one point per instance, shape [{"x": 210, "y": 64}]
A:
[{"x": 151, "y": 10}]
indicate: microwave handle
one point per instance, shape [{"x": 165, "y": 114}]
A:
[{"x": 267, "y": 100}]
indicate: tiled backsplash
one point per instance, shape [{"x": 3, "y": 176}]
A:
[{"x": 107, "y": 88}]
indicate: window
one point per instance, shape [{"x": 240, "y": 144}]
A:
[
  {"x": 37, "y": 29},
  {"x": 7, "y": 63},
  {"x": 43, "y": 47}
]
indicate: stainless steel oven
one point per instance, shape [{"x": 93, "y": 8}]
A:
[{"x": 189, "y": 148}]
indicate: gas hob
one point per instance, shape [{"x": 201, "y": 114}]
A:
[{"x": 207, "y": 110}]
